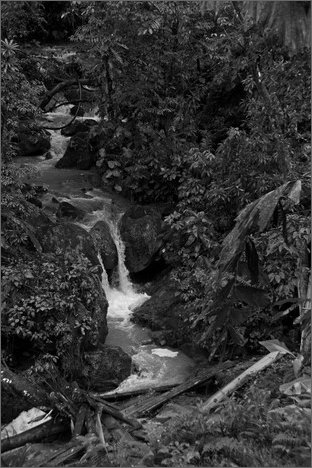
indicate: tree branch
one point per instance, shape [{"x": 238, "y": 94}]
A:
[
  {"x": 72, "y": 120},
  {"x": 64, "y": 84}
]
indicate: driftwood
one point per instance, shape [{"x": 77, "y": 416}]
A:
[
  {"x": 151, "y": 403},
  {"x": 266, "y": 361},
  {"x": 36, "y": 434}
]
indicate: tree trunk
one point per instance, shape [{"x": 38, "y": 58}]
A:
[{"x": 36, "y": 434}]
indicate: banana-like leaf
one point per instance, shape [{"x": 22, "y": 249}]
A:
[
  {"x": 252, "y": 260},
  {"x": 276, "y": 345},
  {"x": 255, "y": 217},
  {"x": 252, "y": 296}
]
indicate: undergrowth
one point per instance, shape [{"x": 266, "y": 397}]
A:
[{"x": 253, "y": 431}]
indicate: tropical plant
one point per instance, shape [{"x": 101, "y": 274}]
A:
[
  {"x": 248, "y": 431},
  {"x": 48, "y": 302}
]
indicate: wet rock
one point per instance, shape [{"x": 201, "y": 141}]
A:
[
  {"x": 35, "y": 201},
  {"x": 158, "y": 337},
  {"x": 104, "y": 244},
  {"x": 107, "y": 366},
  {"x": 78, "y": 127},
  {"x": 162, "y": 313},
  {"x": 66, "y": 210},
  {"x": 33, "y": 141},
  {"x": 78, "y": 153},
  {"x": 140, "y": 228},
  {"x": 64, "y": 236}
]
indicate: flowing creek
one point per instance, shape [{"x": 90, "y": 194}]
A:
[{"x": 154, "y": 365}]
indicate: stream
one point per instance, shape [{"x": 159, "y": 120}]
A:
[{"x": 154, "y": 365}]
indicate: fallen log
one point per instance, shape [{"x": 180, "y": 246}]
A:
[
  {"x": 151, "y": 403},
  {"x": 132, "y": 393},
  {"x": 266, "y": 361},
  {"x": 108, "y": 409},
  {"x": 35, "y": 434}
]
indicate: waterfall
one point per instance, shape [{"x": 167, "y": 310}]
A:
[
  {"x": 123, "y": 273},
  {"x": 105, "y": 283},
  {"x": 121, "y": 299},
  {"x": 59, "y": 143}
]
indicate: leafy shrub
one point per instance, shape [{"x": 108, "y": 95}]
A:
[
  {"x": 42, "y": 299},
  {"x": 249, "y": 432}
]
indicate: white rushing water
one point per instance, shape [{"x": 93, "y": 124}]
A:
[
  {"x": 123, "y": 298},
  {"x": 156, "y": 366}
]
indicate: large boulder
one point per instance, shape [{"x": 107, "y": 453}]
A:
[
  {"x": 105, "y": 368},
  {"x": 67, "y": 210},
  {"x": 139, "y": 229},
  {"x": 78, "y": 126},
  {"x": 33, "y": 142},
  {"x": 104, "y": 244},
  {"x": 163, "y": 312},
  {"x": 65, "y": 236},
  {"x": 39, "y": 219},
  {"x": 78, "y": 153}
]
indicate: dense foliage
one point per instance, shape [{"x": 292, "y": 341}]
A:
[
  {"x": 199, "y": 108},
  {"x": 205, "y": 109},
  {"x": 209, "y": 114},
  {"x": 249, "y": 431}
]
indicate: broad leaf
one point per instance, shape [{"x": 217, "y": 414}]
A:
[
  {"x": 252, "y": 260},
  {"x": 252, "y": 296},
  {"x": 296, "y": 387},
  {"x": 255, "y": 217},
  {"x": 276, "y": 345}
]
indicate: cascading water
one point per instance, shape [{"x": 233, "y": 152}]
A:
[
  {"x": 122, "y": 299},
  {"x": 157, "y": 366}
]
